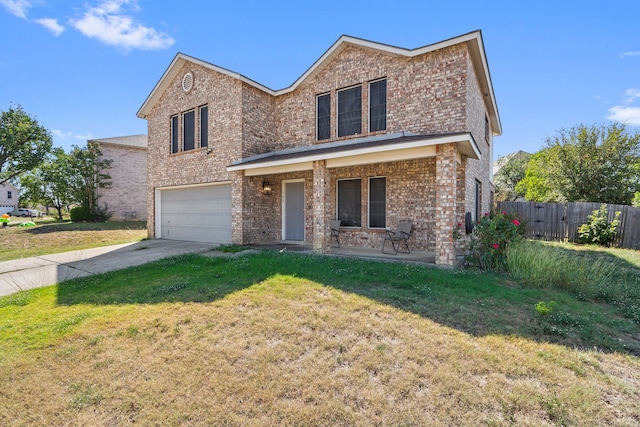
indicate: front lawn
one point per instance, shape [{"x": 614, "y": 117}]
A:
[
  {"x": 295, "y": 339},
  {"x": 52, "y": 237}
]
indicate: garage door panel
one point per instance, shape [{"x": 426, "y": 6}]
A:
[{"x": 201, "y": 214}]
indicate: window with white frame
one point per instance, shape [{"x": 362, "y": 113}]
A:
[
  {"x": 9, "y": 194},
  {"x": 378, "y": 202},
  {"x": 349, "y": 202},
  {"x": 378, "y": 105},
  {"x": 350, "y": 111}
]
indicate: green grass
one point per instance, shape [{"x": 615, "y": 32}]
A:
[
  {"x": 295, "y": 339},
  {"x": 50, "y": 237},
  {"x": 590, "y": 273}
]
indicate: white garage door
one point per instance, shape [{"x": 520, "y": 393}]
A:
[{"x": 197, "y": 214}]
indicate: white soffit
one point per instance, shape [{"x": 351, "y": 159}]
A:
[{"x": 361, "y": 155}]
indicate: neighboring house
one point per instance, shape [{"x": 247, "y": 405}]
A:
[
  {"x": 371, "y": 134},
  {"x": 8, "y": 197},
  {"x": 127, "y": 195}
]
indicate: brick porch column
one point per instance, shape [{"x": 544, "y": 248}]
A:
[
  {"x": 321, "y": 206},
  {"x": 446, "y": 162},
  {"x": 237, "y": 207}
]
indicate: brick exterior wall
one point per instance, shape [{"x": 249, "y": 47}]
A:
[
  {"x": 434, "y": 93},
  {"x": 128, "y": 191}
]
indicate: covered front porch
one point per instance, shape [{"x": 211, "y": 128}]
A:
[{"x": 418, "y": 178}]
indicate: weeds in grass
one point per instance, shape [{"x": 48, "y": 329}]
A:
[
  {"x": 292, "y": 339},
  {"x": 590, "y": 275}
]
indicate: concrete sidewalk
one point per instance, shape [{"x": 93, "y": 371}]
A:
[{"x": 45, "y": 270}]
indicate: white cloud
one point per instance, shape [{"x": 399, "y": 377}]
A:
[
  {"x": 17, "y": 7},
  {"x": 627, "y": 113},
  {"x": 629, "y": 53},
  {"x": 108, "y": 23},
  {"x": 632, "y": 94},
  {"x": 51, "y": 25}
]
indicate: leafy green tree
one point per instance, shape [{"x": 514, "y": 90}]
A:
[
  {"x": 50, "y": 184},
  {"x": 586, "y": 164},
  {"x": 536, "y": 186},
  {"x": 23, "y": 143},
  {"x": 511, "y": 172},
  {"x": 90, "y": 175}
]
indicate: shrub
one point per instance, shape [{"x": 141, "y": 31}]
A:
[
  {"x": 492, "y": 237},
  {"x": 82, "y": 213},
  {"x": 599, "y": 230}
]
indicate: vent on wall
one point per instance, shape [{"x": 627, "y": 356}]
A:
[{"x": 187, "y": 82}]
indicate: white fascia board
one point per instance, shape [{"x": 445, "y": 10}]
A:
[{"x": 466, "y": 143}]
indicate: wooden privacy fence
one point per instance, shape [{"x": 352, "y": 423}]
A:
[{"x": 560, "y": 221}]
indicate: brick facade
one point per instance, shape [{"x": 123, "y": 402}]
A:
[
  {"x": 126, "y": 197},
  {"x": 438, "y": 92}
]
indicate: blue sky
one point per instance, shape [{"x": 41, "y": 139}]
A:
[{"x": 84, "y": 68}]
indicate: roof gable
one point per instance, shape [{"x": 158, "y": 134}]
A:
[{"x": 473, "y": 39}]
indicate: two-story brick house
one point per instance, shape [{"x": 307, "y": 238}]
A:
[{"x": 370, "y": 134}]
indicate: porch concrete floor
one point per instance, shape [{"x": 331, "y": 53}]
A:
[{"x": 420, "y": 257}]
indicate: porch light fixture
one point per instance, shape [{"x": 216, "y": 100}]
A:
[{"x": 266, "y": 188}]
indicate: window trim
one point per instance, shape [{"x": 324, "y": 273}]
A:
[
  {"x": 369, "y": 203},
  {"x": 338, "y": 135},
  {"x": 338, "y": 201},
  {"x": 386, "y": 91},
  {"x": 9, "y": 194}
]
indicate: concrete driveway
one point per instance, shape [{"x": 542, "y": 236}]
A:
[{"x": 46, "y": 270}]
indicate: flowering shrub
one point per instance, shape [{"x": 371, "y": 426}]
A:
[
  {"x": 599, "y": 230},
  {"x": 492, "y": 237}
]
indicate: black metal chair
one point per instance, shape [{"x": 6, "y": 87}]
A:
[
  {"x": 398, "y": 238},
  {"x": 335, "y": 230}
]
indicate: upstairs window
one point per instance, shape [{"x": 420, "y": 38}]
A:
[
  {"x": 188, "y": 130},
  {"x": 349, "y": 201},
  {"x": 323, "y": 117},
  {"x": 175, "y": 143},
  {"x": 350, "y": 111},
  {"x": 9, "y": 194},
  {"x": 378, "y": 105},
  {"x": 204, "y": 126}
]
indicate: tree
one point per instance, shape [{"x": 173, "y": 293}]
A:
[
  {"x": 511, "y": 171},
  {"x": 23, "y": 143},
  {"x": 586, "y": 164},
  {"x": 88, "y": 178},
  {"x": 50, "y": 184},
  {"x": 536, "y": 186}
]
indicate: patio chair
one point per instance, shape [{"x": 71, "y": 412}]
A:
[
  {"x": 398, "y": 238},
  {"x": 335, "y": 230}
]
